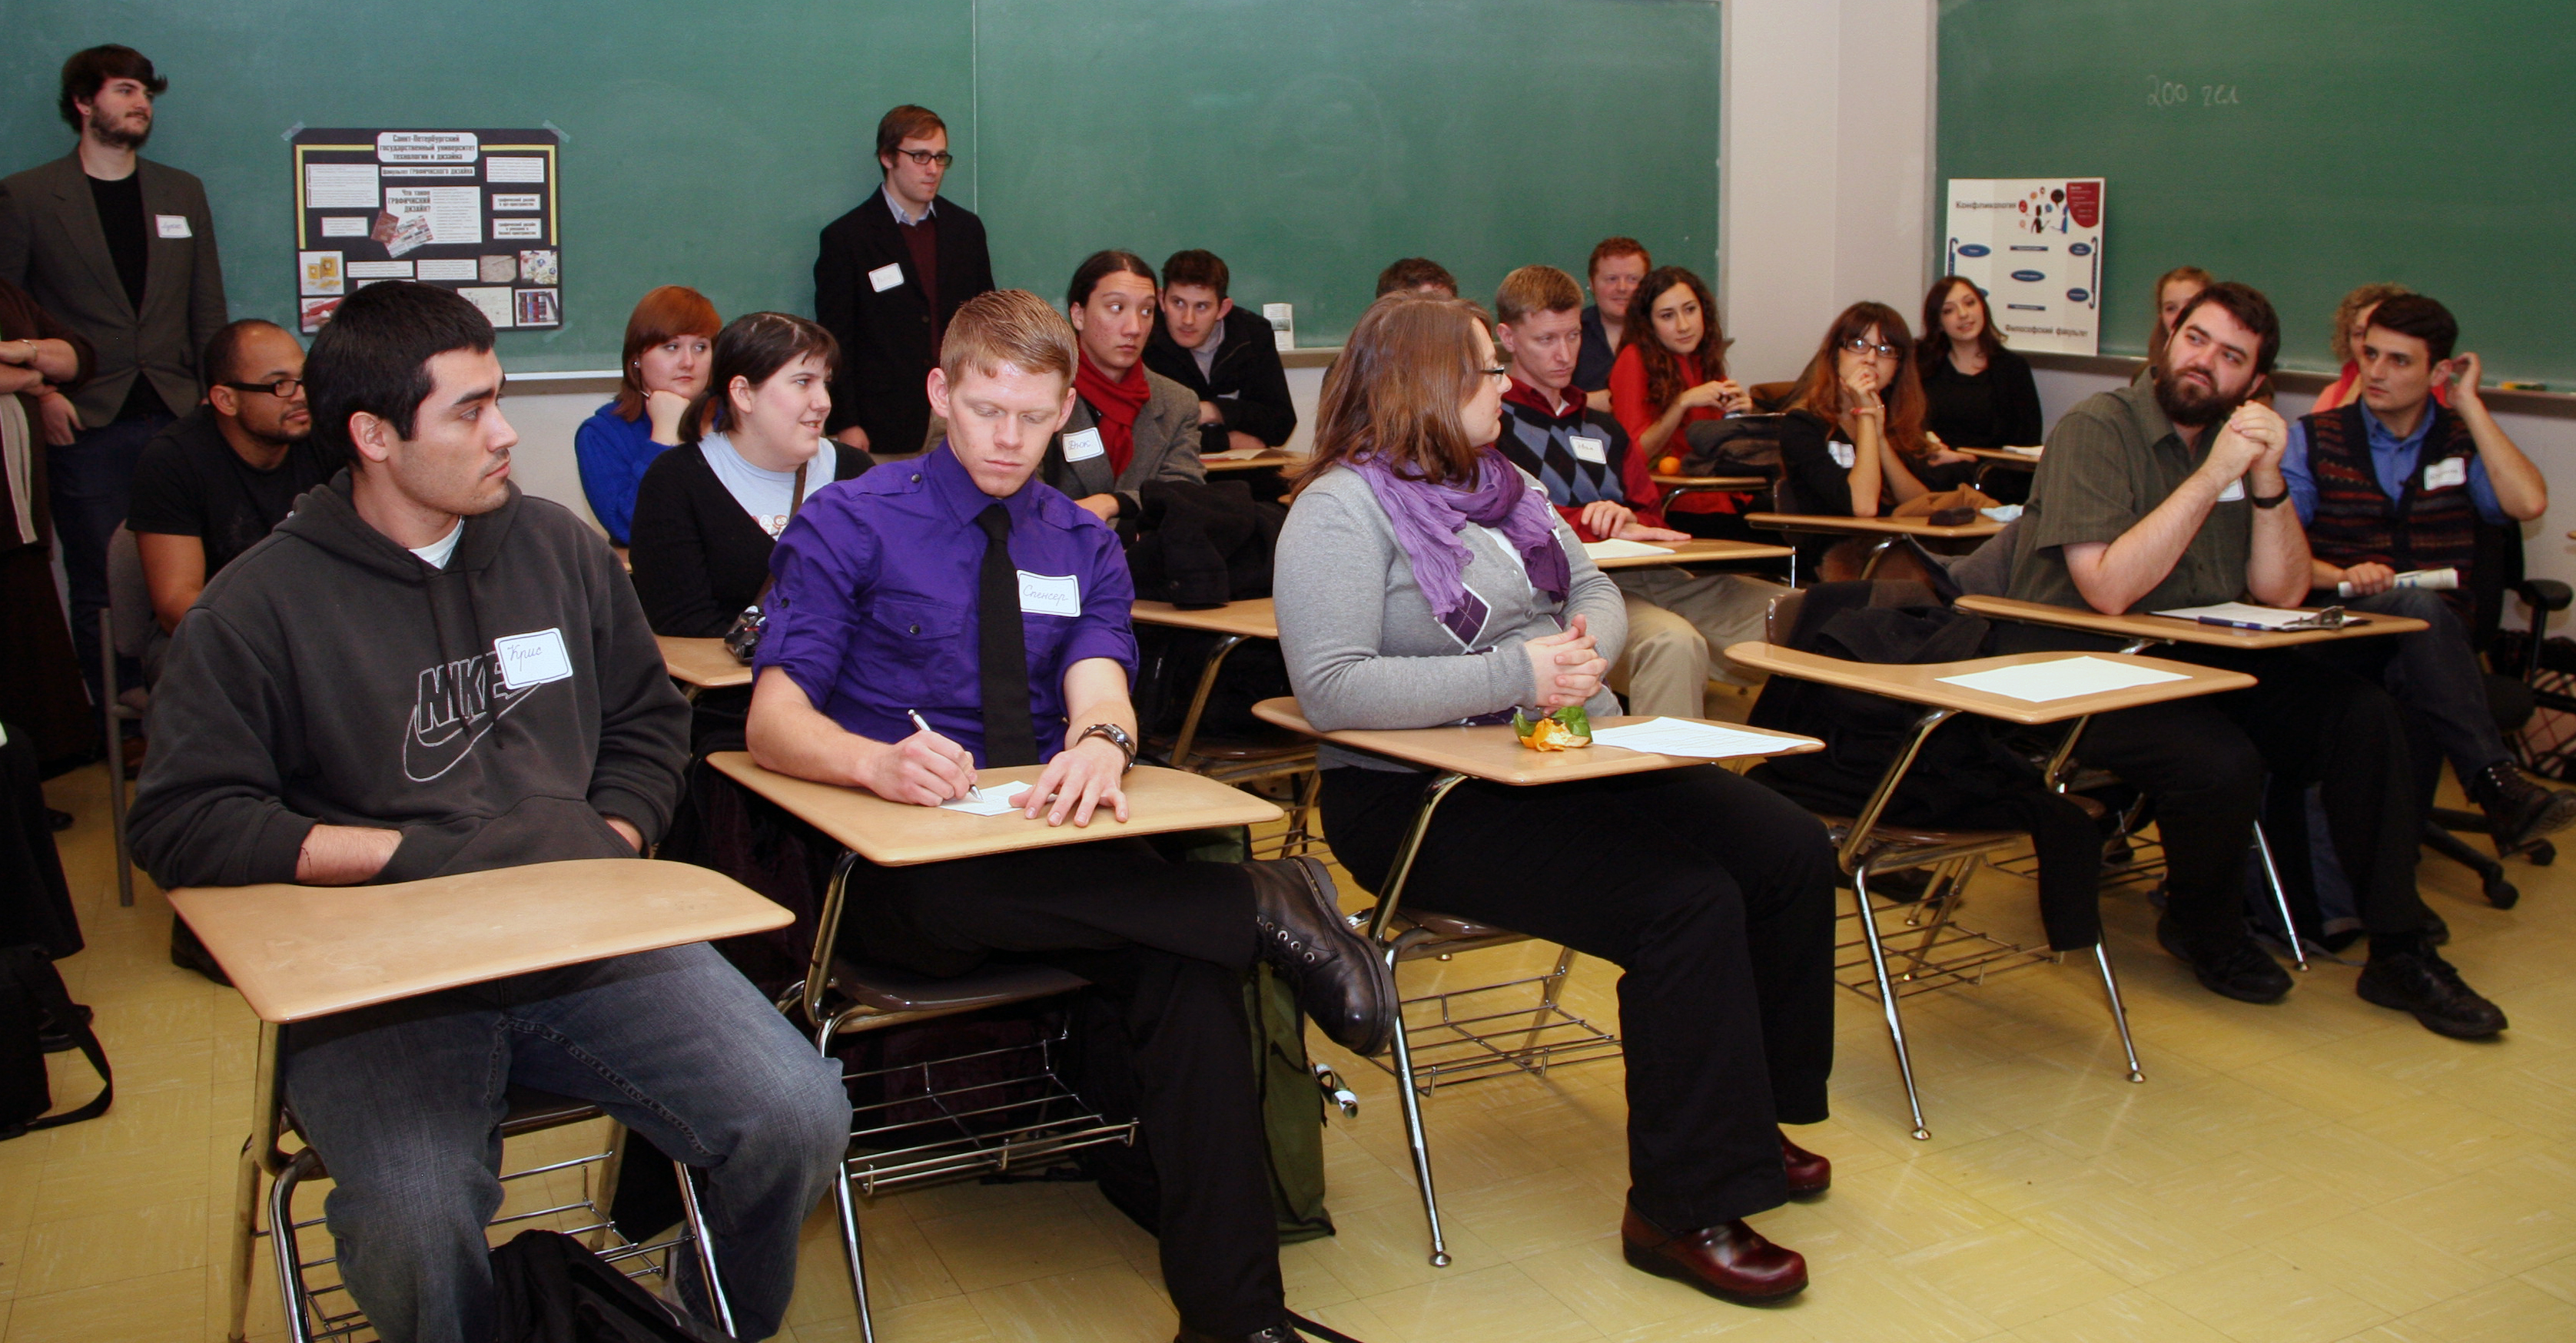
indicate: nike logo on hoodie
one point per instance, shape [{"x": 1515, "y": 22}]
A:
[{"x": 459, "y": 703}]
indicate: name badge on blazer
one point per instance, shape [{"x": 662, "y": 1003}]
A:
[
  {"x": 1083, "y": 444},
  {"x": 2235, "y": 490},
  {"x": 886, "y": 277},
  {"x": 1044, "y": 596},
  {"x": 1590, "y": 449},
  {"x": 173, "y": 226},
  {"x": 2446, "y": 472}
]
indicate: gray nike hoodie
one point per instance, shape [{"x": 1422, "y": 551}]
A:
[{"x": 492, "y": 711}]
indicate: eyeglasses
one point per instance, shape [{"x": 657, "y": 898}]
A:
[
  {"x": 281, "y": 389},
  {"x": 1859, "y": 345},
  {"x": 1499, "y": 371},
  {"x": 926, "y": 157}
]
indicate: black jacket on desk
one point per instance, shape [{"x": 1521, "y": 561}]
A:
[
  {"x": 882, "y": 384},
  {"x": 1246, "y": 380},
  {"x": 492, "y": 711},
  {"x": 699, "y": 558}
]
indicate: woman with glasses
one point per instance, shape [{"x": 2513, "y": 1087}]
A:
[
  {"x": 1852, "y": 444},
  {"x": 1423, "y": 580}
]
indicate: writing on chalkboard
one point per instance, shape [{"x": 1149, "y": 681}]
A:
[{"x": 2165, "y": 93}]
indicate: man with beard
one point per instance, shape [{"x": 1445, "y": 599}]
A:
[
  {"x": 123, "y": 252},
  {"x": 2168, "y": 493}
]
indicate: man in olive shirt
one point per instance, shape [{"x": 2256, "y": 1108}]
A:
[{"x": 2168, "y": 493}]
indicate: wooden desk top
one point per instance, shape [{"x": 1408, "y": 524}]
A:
[
  {"x": 2026, "y": 458},
  {"x": 2172, "y": 630},
  {"x": 1922, "y": 684},
  {"x": 1697, "y": 551},
  {"x": 893, "y": 834},
  {"x": 1714, "y": 482},
  {"x": 1494, "y": 754},
  {"x": 1253, "y": 617},
  {"x": 298, "y": 952},
  {"x": 1818, "y": 522},
  {"x": 703, "y": 663},
  {"x": 1263, "y": 462}
]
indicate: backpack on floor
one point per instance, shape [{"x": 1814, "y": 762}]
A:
[
  {"x": 32, "y": 998},
  {"x": 550, "y": 1288}
]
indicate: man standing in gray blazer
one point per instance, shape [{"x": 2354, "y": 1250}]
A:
[{"x": 123, "y": 251}]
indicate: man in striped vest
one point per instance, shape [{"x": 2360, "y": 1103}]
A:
[{"x": 2395, "y": 483}]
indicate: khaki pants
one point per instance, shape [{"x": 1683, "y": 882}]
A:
[{"x": 1679, "y": 623}]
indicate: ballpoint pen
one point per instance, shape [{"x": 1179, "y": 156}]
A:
[{"x": 917, "y": 721}]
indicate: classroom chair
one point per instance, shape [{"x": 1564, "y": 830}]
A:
[
  {"x": 2514, "y": 694},
  {"x": 126, "y": 630}
]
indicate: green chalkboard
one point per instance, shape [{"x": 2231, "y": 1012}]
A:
[
  {"x": 2302, "y": 146},
  {"x": 1307, "y": 141}
]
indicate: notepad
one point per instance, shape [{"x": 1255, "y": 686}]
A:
[
  {"x": 1233, "y": 455},
  {"x": 1681, "y": 736},
  {"x": 2066, "y": 678},
  {"x": 1623, "y": 550},
  {"x": 1005, "y": 797},
  {"x": 2243, "y": 615}
]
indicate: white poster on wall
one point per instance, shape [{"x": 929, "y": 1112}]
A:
[{"x": 2033, "y": 247}]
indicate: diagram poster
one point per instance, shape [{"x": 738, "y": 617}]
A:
[
  {"x": 2033, "y": 247},
  {"x": 472, "y": 211}
]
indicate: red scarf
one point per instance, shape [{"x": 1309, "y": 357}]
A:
[{"x": 1116, "y": 403}]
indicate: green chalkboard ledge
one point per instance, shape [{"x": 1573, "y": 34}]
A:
[{"x": 2550, "y": 405}]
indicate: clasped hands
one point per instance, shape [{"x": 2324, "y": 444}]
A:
[{"x": 1565, "y": 668}]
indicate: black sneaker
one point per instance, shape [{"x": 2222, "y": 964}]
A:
[
  {"x": 2244, "y": 972},
  {"x": 2429, "y": 987},
  {"x": 2518, "y": 810}
]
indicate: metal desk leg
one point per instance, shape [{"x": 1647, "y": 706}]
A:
[
  {"x": 1852, "y": 858},
  {"x": 827, "y": 930},
  {"x": 1407, "y": 1092},
  {"x": 2119, "y": 1014},
  {"x": 1198, "y": 702},
  {"x": 2280, "y": 897},
  {"x": 258, "y": 1156}
]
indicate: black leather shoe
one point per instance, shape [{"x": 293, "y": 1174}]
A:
[
  {"x": 1729, "y": 1261},
  {"x": 1340, "y": 981},
  {"x": 2244, "y": 972},
  {"x": 1277, "y": 1333},
  {"x": 2436, "y": 931},
  {"x": 2519, "y": 810},
  {"x": 1808, "y": 1172},
  {"x": 2424, "y": 984}
]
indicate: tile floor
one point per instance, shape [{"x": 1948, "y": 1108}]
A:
[{"x": 2312, "y": 1171}]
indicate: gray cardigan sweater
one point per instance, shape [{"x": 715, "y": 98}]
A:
[
  {"x": 1167, "y": 448},
  {"x": 1363, "y": 650}
]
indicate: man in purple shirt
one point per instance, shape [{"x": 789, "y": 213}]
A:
[{"x": 878, "y": 613}]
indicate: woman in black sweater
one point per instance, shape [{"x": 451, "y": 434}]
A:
[
  {"x": 709, "y": 511},
  {"x": 1976, "y": 393}
]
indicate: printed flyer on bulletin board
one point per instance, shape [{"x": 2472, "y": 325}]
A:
[
  {"x": 472, "y": 211},
  {"x": 2033, "y": 247}
]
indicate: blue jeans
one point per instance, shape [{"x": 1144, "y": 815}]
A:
[
  {"x": 404, "y": 1103},
  {"x": 89, "y": 485}
]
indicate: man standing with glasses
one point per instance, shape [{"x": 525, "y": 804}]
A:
[{"x": 891, "y": 274}]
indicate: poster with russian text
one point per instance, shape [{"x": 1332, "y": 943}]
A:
[
  {"x": 2033, "y": 247},
  {"x": 472, "y": 210}
]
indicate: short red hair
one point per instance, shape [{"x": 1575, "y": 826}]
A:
[{"x": 672, "y": 310}]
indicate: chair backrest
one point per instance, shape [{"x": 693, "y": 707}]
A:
[
  {"x": 1770, "y": 397},
  {"x": 129, "y": 597},
  {"x": 1780, "y": 619}
]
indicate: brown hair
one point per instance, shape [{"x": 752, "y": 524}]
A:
[
  {"x": 1412, "y": 273},
  {"x": 1663, "y": 368},
  {"x": 2251, "y": 310},
  {"x": 1936, "y": 341},
  {"x": 89, "y": 70},
  {"x": 1536, "y": 289},
  {"x": 753, "y": 347},
  {"x": 1609, "y": 248},
  {"x": 2420, "y": 317},
  {"x": 1007, "y": 327},
  {"x": 1197, "y": 266},
  {"x": 2156, "y": 305},
  {"x": 2367, "y": 296},
  {"x": 1819, "y": 389},
  {"x": 1393, "y": 396},
  {"x": 662, "y": 314},
  {"x": 907, "y": 122}
]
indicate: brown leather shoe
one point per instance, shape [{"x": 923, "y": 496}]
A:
[
  {"x": 1730, "y": 1261},
  {"x": 1808, "y": 1172}
]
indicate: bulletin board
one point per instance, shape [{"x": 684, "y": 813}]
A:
[{"x": 468, "y": 210}]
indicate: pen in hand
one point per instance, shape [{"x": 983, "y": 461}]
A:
[{"x": 918, "y": 721}]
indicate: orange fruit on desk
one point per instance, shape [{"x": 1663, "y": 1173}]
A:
[{"x": 1668, "y": 466}]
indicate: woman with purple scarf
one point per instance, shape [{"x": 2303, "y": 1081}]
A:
[{"x": 1423, "y": 580}]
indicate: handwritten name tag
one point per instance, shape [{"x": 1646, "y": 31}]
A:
[
  {"x": 533, "y": 659},
  {"x": 1843, "y": 454},
  {"x": 2235, "y": 490},
  {"x": 886, "y": 277},
  {"x": 173, "y": 226},
  {"x": 1589, "y": 449},
  {"x": 1083, "y": 444},
  {"x": 2447, "y": 472},
  {"x": 1044, "y": 596}
]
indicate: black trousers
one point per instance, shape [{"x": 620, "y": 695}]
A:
[
  {"x": 1713, "y": 893},
  {"x": 2307, "y": 723},
  {"x": 1165, "y": 946}
]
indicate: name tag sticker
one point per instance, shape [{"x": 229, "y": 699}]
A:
[
  {"x": 1083, "y": 444},
  {"x": 2235, "y": 490},
  {"x": 173, "y": 226},
  {"x": 886, "y": 277},
  {"x": 2446, "y": 472},
  {"x": 533, "y": 659},
  {"x": 1044, "y": 596},
  {"x": 1843, "y": 454},
  {"x": 1590, "y": 449}
]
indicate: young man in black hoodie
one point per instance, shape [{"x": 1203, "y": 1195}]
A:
[
  {"x": 422, "y": 672},
  {"x": 1228, "y": 357}
]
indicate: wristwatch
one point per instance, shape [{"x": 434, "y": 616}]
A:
[
  {"x": 2270, "y": 501},
  {"x": 1115, "y": 736}
]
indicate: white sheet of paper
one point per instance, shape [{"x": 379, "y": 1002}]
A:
[
  {"x": 1620, "y": 550},
  {"x": 378, "y": 270},
  {"x": 1229, "y": 455},
  {"x": 494, "y": 301},
  {"x": 454, "y": 214},
  {"x": 345, "y": 226},
  {"x": 513, "y": 168},
  {"x": 340, "y": 186},
  {"x": 519, "y": 201},
  {"x": 449, "y": 268},
  {"x": 2239, "y": 613},
  {"x": 2066, "y": 678},
  {"x": 530, "y": 230},
  {"x": 1681, "y": 736},
  {"x": 998, "y": 799}
]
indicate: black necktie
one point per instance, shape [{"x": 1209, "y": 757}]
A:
[{"x": 1002, "y": 648}]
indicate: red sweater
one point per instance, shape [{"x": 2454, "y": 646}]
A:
[{"x": 1637, "y": 413}]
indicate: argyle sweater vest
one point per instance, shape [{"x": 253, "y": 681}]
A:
[
  {"x": 2358, "y": 523},
  {"x": 1543, "y": 445}
]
